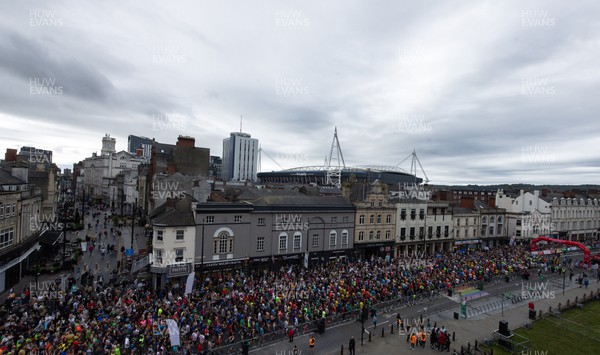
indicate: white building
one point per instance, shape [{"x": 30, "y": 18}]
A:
[
  {"x": 576, "y": 219},
  {"x": 467, "y": 228},
  {"x": 493, "y": 231},
  {"x": 240, "y": 157},
  {"x": 101, "y": 170},
  {"x": 173, "y": 242},
  {"x": 528, "y": 215},
  {"x": 422, "y": 226}
]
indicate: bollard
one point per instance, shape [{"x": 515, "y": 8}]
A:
[
  {"x": 453, "y": 336},
  {"x": 540, "y": 315},
  {"x": 392, "y": 331},
  {"x": 421, "y": 319},
  {"x": 469, "y": 347},
  {"x": 342, "y": 349},
  {"x": 476, "y": 347},
  {"x": 559, "y": 305},
  {"x": 576, "y": 299},
  {"x": 382, "y": 332},
  {"x": 369, "y": 337},
  {"x": 462, "y": 350}
]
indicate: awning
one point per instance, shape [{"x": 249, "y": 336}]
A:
[
  {"x": 15, "y": 261},
  {"x": 50, "y": 237}
]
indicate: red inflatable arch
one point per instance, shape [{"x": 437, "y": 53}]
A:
[{"x": 586, "y": 251}]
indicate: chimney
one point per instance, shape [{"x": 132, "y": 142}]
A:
[
  {"x": 170, "y": 203},
  {"x": 186, "y": 141},
  {"x": 10, "y": 155},
  {"x": 467, "y": 202}
]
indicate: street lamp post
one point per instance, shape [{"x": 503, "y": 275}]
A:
[
  {"x": 37, "y": 266},
  {"x": 64, "y": 230},
  {"x": 83, "y": 205},
  {"x": 133, "y": 223},
  {"x": 202, "y": 252},
  {"x": 564, "y": 280},
  {"x": 362, "y": 329}
]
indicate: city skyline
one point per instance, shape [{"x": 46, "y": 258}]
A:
[{"x": 485, "y": 92}]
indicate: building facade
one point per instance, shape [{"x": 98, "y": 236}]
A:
[
  {"x": 20, "y": 225},
  {"x": 422, "y": 226},
  {"x": 173, "y": 243},
  {"x": 375, "y": 224},
  {"x": 466, "y": 222},
  {"x": 273, "y": 230},
  {"x": 215, "y": 167},
  {"x": 240, "y": 157},
  {"x": 137, "y": 142},
  {"x": 100, "y": 173},
  {"x": 576, "y": 219},
  {"x": 528, "y": 215},
  {"x": 493, "y": 231}
]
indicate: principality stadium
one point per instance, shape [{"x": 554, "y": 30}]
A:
[{"x": 335, "y": 172}]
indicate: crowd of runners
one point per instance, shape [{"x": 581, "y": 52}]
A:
[{"x": 228, "y": 307}]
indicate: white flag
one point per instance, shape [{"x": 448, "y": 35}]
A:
[
  {"x": 189, "y": 285},
  {"x": 173, "y": 332},
  {"x": 84, "y": 246}
]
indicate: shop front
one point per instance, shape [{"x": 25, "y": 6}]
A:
[
  {"x": 468, "y": 244},
  {"x": 172, "y": 276},
  {"x": 368, "y": 251}
]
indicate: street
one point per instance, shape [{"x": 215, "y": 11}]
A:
[{"x": 101, "y": 264}]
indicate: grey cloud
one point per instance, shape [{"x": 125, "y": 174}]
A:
[{"x": 28, "y": 59}]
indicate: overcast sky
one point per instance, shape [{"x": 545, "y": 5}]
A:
[{"x": 484, "y": 91}]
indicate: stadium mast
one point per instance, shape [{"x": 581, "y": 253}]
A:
[
  {"x": 335, "y": 163},
  {"x": 413, "y": 166}
]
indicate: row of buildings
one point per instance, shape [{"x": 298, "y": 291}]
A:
[
  {"x": 269, "y": 227},
  {"x": 149, "y": 172},
  {"x": 207, "y": 212},
  {"x": 31, "y": 189}
]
